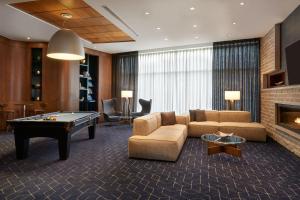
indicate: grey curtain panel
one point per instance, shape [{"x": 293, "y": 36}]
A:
[
  {"x": 125, "y": 74},
  {"x": 236, "y": 67}
]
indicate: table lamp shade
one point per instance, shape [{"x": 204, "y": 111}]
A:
[
  {"x": 232, "y": 95},
  {"x": 127, "y": 93}
]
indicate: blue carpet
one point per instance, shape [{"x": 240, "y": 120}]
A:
[{"x": 101, "y": 169}]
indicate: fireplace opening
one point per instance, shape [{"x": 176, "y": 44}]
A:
[{"x": 288, "y": 116}]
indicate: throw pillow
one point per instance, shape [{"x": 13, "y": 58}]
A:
[
  {"x": 168, "y": 118},
  {"x": 192, "y": 115},
  {"x": 200, "y": 115}
]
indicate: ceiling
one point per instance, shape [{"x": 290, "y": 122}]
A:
[
  {"x": 85, "y": 20},
  {"x": 214, "y": 20}
]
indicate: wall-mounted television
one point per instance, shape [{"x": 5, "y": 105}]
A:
[{"x": 292, "y": 53}]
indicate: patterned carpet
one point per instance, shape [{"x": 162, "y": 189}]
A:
[{"x": 100, "y": 169}]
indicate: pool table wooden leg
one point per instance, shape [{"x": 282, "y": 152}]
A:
[
  {"x": 64, "y": 146},
  {"x": 22, "y": 145},
  {"x": 92, "y": 130}
]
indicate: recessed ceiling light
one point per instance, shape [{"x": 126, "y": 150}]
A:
[
  {"x": 195, "y": 25},
  {"x": 66, "y": 15},
  {"x": 157, "y": 28},
  {"x": 166, "y": 39},
  {"x": 192, "y": 8},
  {"x": 28, "y": 38},
  {"x": 242, "y": 3},
  {"x": 234, "y": 23},
  {"x": 196, "y": 37},
  {"x": 147, "y": 13}
]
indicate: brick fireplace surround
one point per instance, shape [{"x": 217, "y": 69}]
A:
[{"x": 270, "y": 62}]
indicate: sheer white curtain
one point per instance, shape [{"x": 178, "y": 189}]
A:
[{"x": 176, "y": 80}]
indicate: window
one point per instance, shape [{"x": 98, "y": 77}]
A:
[{"x": 176, "y": 80}]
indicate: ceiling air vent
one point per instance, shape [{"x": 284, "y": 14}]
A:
[{"x": 119, "y": 19}]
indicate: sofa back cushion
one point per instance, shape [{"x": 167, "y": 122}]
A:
[
  {"x": 200, "y": 116},
  {"x": 193, "y": 115},
  {"x": 235, "y": 116},
  {"x": 168, "y": 118},
  {"x": 158, "y": 118},
  {"x": 146, "y": 124},
  {"x": 212, "y": 115}
]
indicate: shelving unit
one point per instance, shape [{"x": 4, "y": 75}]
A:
[
  {"x": 274, "y": 79},
  {"x": 36, "y": 74},
  {"x": 88, "y": 98}
]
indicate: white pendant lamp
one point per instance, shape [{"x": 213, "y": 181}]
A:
[{"x": 65, "y": 45}]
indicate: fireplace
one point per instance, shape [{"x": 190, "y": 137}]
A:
[{"x": 288, "y": 117}]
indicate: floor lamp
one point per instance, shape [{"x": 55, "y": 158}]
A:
[
  {"x": 127, "y": 94},
  {"x": 232, "y": 96}
]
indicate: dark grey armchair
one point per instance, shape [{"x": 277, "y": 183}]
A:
[
  {"x": 146, "y": 108},
  {"x": 110, "y": 110}
]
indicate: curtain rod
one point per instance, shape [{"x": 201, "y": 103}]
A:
[{"x": 177, "y": 48}]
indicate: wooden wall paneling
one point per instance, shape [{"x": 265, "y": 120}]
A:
[
  {"x": 18, "y": 73},
  {"x": 15, "y": 74},
  {"x": 105, "y": 76},
  {"x": 50, "y": 84},
  {"x": 60, "y": 78},
  {"x": 3, "y": 68},
  {"x": 60, "y": 82},
  {"x": 69, "y": 85}
]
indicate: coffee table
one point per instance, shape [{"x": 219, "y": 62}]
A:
[{"x": 228, "y": 144}]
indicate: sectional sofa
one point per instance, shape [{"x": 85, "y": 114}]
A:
[
  {"x": 150, "y": 140},
  {"x": 237, "y": 122}
]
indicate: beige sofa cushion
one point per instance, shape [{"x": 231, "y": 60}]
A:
[
  {"x": 182, "y": 119},
  {"x": 169, "y": 133},
  {"x": 250, "y": 131},
  {"x": 212, "y": 115},
  {"x": 234, "y": 116},
  {"x": 165, "y": 143},
  {"x": 197, "y": 129},
  {"x": 158, "y": 118},
  {"x": 146, "y": 124}
]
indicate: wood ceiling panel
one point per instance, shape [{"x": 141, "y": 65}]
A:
[
  {"x": 85, "y": 21},
  {"x": 80, "y": 14},
  {"x": 71, "y": 4},
  {"x": 99, "y": 35},
  {"x": 96, "y": 29},
  {"x": 110, "y": 40},
  {"x": 39, "y": 6}
]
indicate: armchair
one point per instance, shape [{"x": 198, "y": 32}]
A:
[
  {"x": 110, "y": 112},
  {"x": 146, "y": 108}
]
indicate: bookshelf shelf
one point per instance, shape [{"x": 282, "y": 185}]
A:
[
  {"x": 36, "y": 74},
  {"x": 88, "y": 83}
]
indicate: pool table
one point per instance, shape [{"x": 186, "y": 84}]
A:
[{"x": 58, "y": 125}]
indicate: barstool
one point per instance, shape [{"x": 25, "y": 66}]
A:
[{"x": 5, "y": 114}]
